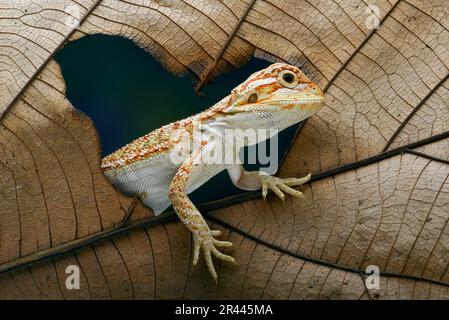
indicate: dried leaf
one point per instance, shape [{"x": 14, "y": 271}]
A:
[{"x": 379, "y": 152}]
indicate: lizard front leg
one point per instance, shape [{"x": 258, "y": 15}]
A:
[
  {"x": 203, "y": 237},
  {"x": 254, "y": 180}
]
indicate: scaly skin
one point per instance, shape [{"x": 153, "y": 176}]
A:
[{"x": 273, "y": 98}]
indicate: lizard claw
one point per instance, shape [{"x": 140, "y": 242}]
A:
[
  {"x": 209, "y": 244},
  {"x": 280, "y": 186}
]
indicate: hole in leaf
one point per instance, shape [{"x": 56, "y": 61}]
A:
[{"x": 127, "y": 94}]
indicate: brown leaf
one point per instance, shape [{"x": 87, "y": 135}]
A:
[{"x": 379, "y": 152}]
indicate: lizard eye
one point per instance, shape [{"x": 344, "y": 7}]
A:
[
  {"x": 288, "y": 79},
  {"x": 253, "y": 98}
]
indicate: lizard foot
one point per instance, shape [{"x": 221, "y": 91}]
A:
[
  {"x": 209, "y": 244},
  {"x": 282, "y": 184}
]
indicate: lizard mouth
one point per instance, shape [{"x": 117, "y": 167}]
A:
[
  {"x": 296, "y": 99},
  {"x": 303, "y": 101}
]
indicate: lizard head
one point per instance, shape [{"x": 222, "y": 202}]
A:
[{"x": 276, "y": 97}]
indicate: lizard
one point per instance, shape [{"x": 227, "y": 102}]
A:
[{"x": 276, "y": 97}]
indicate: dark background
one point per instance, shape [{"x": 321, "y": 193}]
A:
[{"x": 127, "y": 94}]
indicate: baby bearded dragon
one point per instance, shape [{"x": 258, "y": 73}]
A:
[{"x": 273, "y": 98}]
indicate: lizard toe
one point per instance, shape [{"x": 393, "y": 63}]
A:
[
  {"x": 264, "y": 190},
  {"x": 196, "y": 249},
  {"x": 291, "y": 191},
  {"x": 209, "y": 263},
  {"x": 223, "y": 244},
  {"x": 292, "y": 182},
  {"x": 222, "y": 256},
  {"x": 274, "y": 186},
  {"x": 215, "y": 233}
]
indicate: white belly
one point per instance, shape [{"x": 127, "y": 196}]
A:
[{"x": 150, "y": 180}]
